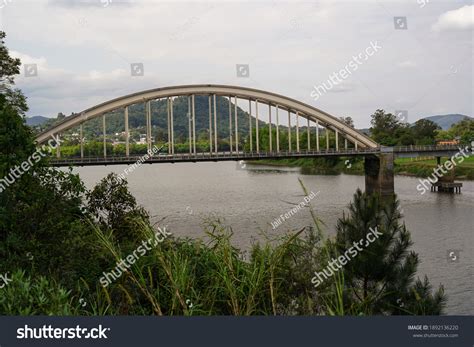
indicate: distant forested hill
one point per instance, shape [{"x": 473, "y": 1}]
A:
[
  {"x": 36, "y": 120},
  {"x": 447, "y": 120},
  {"x": 137, "y": 121}
]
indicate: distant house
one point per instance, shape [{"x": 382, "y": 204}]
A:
[
  {"x": 448, "y": 142},
  {"x": 142, "y": 140}
]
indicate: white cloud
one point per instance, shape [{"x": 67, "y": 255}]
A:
[
  {"x": 84, "y": 50},
  {"x": 27, "y": 59},
  {"x": 460, "y": 19}
]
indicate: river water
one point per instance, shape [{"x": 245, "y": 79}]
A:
[{"x": 248, "y": 198}]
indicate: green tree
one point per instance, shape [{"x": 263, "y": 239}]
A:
[
  {"x": 41, "y": 214},
  {"x": 9, "y": 67},
  {"x": 381, "y": 276},
  {"x": 384, "y": 125},
  {"x": 425, "y": 131},
  {"x": 115, "y": 208},
  {"x": 464, "y": 130}
]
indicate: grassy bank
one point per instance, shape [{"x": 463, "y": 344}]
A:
[
  {"x": 424, "y": 167},
  {"x": 321, "y": 166},
  {"x": 355, "y": 166}
]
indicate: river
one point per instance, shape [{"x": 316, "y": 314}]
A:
[{"x": 248, "y": 198}]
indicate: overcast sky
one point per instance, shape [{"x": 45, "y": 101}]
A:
[{"x": 83, "y": 51}]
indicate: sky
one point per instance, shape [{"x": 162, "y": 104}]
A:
[{"x": 83, "y": 51}]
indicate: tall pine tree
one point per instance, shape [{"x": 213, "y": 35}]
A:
[{"x": 381, "y": 277}]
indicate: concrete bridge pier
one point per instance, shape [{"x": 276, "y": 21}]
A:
[
  {"x": 379, "y": 176},
  {"x": 445, "y": 182}
]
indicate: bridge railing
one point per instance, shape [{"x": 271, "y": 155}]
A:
[
  {"x": 242, "y": 155},
  {"x": 428, "y": 148},
  {"x": 213, "y": 156}
]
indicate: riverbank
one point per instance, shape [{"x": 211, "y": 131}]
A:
[
  {"x": 424, "y": 168},
  {"x": 355, "y": 166},
  {"x": 249, "y": 198}
]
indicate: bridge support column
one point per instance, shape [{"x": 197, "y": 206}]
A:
[
  {"x": 58, "y": 147},
  {"x": 210, "y": 123},
  {"x": 270, "y": 126},
  {"x": 277, "y": 130},
  {"x": 337, "y": 139},
  {"x": 297, "y": 133},
  {"x": 345, "y": 144},
  {"x": 379, "y": 177},
  {"x": 256, "y": 125},
  {"x": 236, "y": 125},
  {"x": 148, "y": 124},
  {"x": 327, "y": 137},
  {"x": 169, "y": 124},
  {"x": 289, "y": 130},
  {"x": 194, "y": 123},
  {"x": 127, "y": 133},
  {"x": 317, "y": 135},
  {"x": 215, "y": 123},
  {"x": 231, "y": 141},
  {"x": 446, "y": 177},
  {"x": 105, "y": 135},
  {"x": 172, "y": 125},
  {"x": 81, "y": 135},
  {"x": 309, "y": 134},
  {"x": 250, "y": 125},
  {"x": 190, "y": 132}
]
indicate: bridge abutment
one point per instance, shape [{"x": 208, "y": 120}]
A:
[{"x": 379, "y": 175}]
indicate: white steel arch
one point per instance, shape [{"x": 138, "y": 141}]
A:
[{"x": 284, "y": 103}]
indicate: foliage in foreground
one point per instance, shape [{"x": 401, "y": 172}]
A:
[
  {"x": 57, "y": 239},
  {"x": 381, "y": 276},
  {"x": 193, "y": 277}
]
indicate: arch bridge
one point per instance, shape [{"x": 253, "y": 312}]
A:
[{"x": 294, "y": 119}]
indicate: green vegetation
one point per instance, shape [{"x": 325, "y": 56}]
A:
[
  {"x": 216, "y": 277},
  {"x": 70, "y": 146},
  {"x": 386, "y": 130},
  {"x": 57, "y": 239},
  {"x": 115, "y": 123},
  {"x": 319, "y": 166},
  {"x": 424, "y": 167},
  {"x": 464, "y": 131},
  {"x": 381, "y": 279}
]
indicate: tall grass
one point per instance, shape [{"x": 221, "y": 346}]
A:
[
  {"x": 183, "y": 276},
  {"x": 193, "y": 277}
]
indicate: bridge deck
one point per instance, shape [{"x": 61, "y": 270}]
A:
[{"x": 235, "y": 156}]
